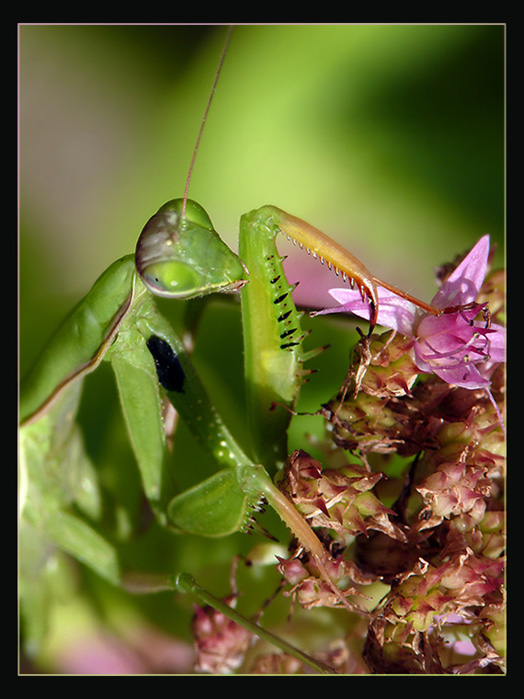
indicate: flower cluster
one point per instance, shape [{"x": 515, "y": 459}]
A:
[{"x": 420, "y": 506}]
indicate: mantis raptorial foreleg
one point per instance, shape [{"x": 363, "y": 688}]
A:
[{"x": 272, "y": 348}]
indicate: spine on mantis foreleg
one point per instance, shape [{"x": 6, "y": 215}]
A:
[{"x": 272, "y": 345}]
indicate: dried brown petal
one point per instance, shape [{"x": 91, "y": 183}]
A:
[
  {"x": 400, "y": 650},
  {"x": 337, "y": 499},
  {"x": 311, "y": 590}
]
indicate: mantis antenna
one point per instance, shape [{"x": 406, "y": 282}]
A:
[
  {"x": 169, "y": 255},
  {"x": 202, "y": 123}
]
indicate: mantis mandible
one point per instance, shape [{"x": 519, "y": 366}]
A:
[{"x": 179, "y": 255}]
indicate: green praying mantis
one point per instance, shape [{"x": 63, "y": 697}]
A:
[{"x": 179, "y": 255}]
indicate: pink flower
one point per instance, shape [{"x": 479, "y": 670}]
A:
[{"x": 454, "y": 346}]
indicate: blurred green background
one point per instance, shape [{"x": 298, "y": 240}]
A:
[{"x": 390, "y": 138}]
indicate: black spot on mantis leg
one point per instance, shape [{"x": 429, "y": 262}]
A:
[{"x": 168, "y": 368}]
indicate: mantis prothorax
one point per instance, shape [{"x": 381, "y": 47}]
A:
[{"x": 179, "y": 255}]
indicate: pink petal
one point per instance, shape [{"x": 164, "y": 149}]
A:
[
  {"x": 497, "y": 343},
  {"x": 465, "y": 376},
  {"x": 393, "y": 311},
  {"x": 463, "y": 284}
]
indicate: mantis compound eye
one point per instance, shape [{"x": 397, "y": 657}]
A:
[
  {"x": 171, "y": 278},
  {"x": 182, "y": 256}
]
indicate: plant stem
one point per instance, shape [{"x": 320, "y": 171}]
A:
[{"x": 146, "y": 583}]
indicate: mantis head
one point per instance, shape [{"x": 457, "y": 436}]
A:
[{"x": 180, "y": 255}]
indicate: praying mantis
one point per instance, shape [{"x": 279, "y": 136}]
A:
[{"x": 148, "y": 359}]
